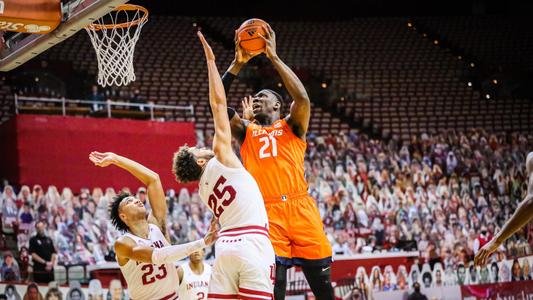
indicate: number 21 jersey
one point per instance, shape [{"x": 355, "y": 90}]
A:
[
  {"x": 275, "y": 158},
  {"x": 232, "y": 195}
]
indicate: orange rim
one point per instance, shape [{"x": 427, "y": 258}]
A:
[{"x": 129, "y": 7}]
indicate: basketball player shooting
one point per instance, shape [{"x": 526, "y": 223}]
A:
[
  {"x": 520, "y": 218},
  {"x": 273, "y": 150},
  {"x": 144, "y": 253},
  {"x": 244, "y": 263}
]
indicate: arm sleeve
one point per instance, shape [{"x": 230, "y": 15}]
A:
[
  {"x": 174, "y": 253},
  {"x": 227, "y": 80}
]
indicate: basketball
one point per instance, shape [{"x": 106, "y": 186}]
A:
[{"x": 249, "y": 34}]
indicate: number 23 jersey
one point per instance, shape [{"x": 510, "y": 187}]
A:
[
  {"x": 232, "y": 195},
  {"x": 149, "y": 281}
]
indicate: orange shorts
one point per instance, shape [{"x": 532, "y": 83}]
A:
[{"x": 296, "y": 231}]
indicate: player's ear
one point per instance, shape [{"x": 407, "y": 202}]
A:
[
  {"x": 201, "y": 161},
  {"x": 277, "y": 105},
  {"x": 123, "y": 217}
]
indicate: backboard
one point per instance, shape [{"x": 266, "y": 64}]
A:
[{"x": 20, "y": 47}]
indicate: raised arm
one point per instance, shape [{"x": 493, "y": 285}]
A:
[
  {"x": 217, "y": 101},
  {"x": 300, "y": 111},
  {"x": 149, "y": 178},
  {"x": 238, "y": 125}
]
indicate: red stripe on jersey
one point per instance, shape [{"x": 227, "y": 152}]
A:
[
  {"x": 254, "y": 292},
  {"x": 221, "y": 296}
]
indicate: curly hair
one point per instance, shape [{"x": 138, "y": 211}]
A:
[
  {"x": 114, "y": 212},
  {"x": 185, "y": 167}
]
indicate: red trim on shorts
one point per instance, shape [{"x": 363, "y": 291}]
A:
[
  {"x": 243, "y": 233},
  {"x": 241, "y": 297},
  {"x": 254, "y": 292},
  {"x": 222, "y": 296},
  {"x": 245, "y": 230}
]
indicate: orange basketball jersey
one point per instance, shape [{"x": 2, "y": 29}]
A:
[{"x": 275, "y": 158}]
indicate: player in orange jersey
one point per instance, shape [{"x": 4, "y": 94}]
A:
[{"x": 273, "y": 150}]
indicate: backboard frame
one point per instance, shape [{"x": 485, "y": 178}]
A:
[{"x": 77, "y": 14}]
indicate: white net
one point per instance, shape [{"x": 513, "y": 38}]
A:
[{"x": 114, "y": 37}]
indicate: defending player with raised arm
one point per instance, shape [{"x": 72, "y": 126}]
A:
[
  {"x": 244, "y": 263},
  {"x": 273, "y": 150},
  {"x": 144, "y": 253},
  {"x": 520, "y": 218}
]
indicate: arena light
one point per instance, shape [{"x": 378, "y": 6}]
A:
[
  {"x": 194, "y": 24},
  {"x": 495, "y": 81},
  {"x": 435, "y": 42},
  {"x": 409, "y": 24},
  {"x": 487, "y": 96},
  {"x": 342, "y": 98},
  {"x": 469, "y": 83},
  {"x": 36, "y": 79},
  {"x": 472, "y": 65},
  {"x": 459, "y": 57},
  {"x": 279, "y": 84},
  {"x": 324, "y": 85}
]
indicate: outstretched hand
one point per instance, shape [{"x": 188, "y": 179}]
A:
[
  {"x": 484, "y": 253},
  {"x": 209, "y": 55},
  {"x": 212, "y": 232},
  {"x": 248, "y": 108},
  {"x": 270, "y": 41},
  {"x": 102, "y": 159}
]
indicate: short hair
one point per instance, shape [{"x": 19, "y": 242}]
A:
[
  {"x": 184, "y": 166},
  {"x": 276, "y": 94},
  {"x": 114, "y": 211}
]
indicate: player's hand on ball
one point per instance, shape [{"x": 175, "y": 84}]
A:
[
  {"x": 242, "y": 56},
  {"x": 102, "y": 159},
  {"x": 247, "y": 108},
  {"x": 270, "y": 42},
  {"x": 484, "y": 253},
  {"x": 212, "y": 233},
  {"x": 209, "y": 55}
]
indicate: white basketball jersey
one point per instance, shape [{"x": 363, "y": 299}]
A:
[
  {"x": 194, "y": 286},
  {"x": 149, "y": 281},
  {"x": 232, "y": 195}
]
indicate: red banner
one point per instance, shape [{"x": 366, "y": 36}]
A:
[{"x": 54, "y": 150}]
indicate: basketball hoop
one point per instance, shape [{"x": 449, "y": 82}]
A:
[{"x": 114, "y": 37}]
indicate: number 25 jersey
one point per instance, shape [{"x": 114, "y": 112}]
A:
[{"x": 232, "y": 195}]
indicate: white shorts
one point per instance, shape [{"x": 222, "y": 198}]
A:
[{"x": 244, "y": 266}]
